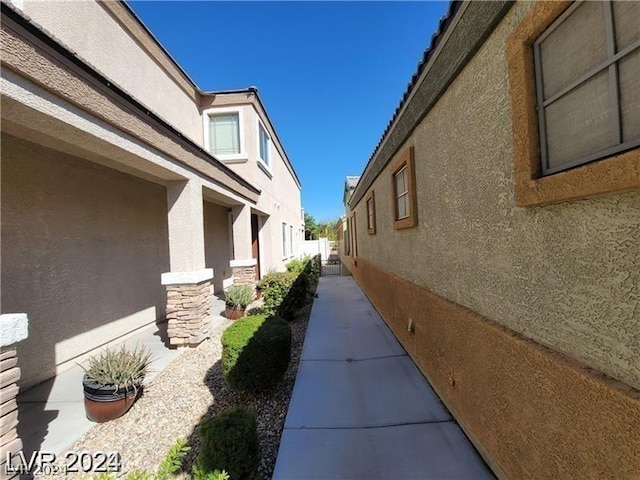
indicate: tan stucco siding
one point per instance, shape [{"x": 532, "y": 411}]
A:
[
  {"x": 107, "y": 47},
  {"x": 565, "y": 275},
  {"x": 217, "y": 244},
  {"x": 83, "y": 249}
]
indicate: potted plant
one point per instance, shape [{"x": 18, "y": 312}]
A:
[
  {"x": 113, "y": 381},
  {"x": 236, "y": 298}
]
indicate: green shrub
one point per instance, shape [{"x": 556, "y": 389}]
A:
[
  {"x": 275, "y": 287},
  {"x": 255, "y": 353},
  {"x": 229, "y": 441},
  {"x": 172, "y": 462},
  {"x": 238, "y": 296}
]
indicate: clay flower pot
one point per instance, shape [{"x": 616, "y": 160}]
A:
[
  {"x": 104, "y": 402},
  {"x": 234, "y": 312}
]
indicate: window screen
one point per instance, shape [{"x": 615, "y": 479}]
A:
[{"x": 587, "y": 67}]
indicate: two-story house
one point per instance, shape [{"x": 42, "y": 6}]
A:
[{"x": 128, "y": 193}]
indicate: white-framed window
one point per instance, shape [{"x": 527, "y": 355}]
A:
[
  {"x": 264, "y": 146},
  {"x": 290, "y": 239},
  {"x": 224, "y": 133},
  {"x": 284, "y": 240}
]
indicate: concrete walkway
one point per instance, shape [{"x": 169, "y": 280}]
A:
[
  {"x": 360, "y": 407},
  {"x": 51, "y": 415}
]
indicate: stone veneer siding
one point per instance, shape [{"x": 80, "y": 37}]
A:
[
  {"x": 244, "y": 276},
  {"x": 188, "y": 315},
  {"x": 10, "y": 443}
]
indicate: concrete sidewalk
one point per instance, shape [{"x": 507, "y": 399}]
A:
[{"x": 360, "y": 407}]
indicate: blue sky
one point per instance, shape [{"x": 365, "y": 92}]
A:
[{"x": 330, "y": 74}]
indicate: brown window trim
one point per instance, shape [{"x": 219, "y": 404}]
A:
[
  {"x": 617, "y": 173},
  {"x": 406, "y": 158},
  {"x": 371, "y": 230}
]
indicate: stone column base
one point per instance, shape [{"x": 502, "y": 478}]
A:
[
  {"x": 188, "y": 308},
  {"x": 244, "y": 272},
  {"x": 13, "y": 329}
]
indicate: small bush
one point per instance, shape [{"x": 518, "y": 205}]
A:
[
  {"x": 229, "y": 441},
  {"x": 275, "y": 287},
  {"x": 238, "y": 296},
  {"x": 255, "y": 353}
]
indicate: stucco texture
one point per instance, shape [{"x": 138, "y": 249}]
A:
[
  {"x": 533, "y": 413},
  {"x": 132, "y": 68},
  {"x": 565, "y": 275},
  {"x": 217, "y": 245},
  {"x": 83, "y": 249}
]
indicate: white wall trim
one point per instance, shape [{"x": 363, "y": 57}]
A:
[
  {"x": 14, "y": 327},
  {"x": 243, "y": 262},
  {"x": 242, "y": 156},
  {"x": 187, "y": 278}
]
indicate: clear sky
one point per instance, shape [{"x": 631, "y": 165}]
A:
[{"x": 330, "y": 74}]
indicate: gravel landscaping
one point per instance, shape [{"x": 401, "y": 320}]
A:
[{"x": 190, "y": 388}]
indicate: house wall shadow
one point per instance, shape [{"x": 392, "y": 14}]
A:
[{"x": 83, "y": 248}]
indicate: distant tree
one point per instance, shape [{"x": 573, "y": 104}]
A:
[
  {"x": 311, "y": 229},
  {"x": 328, "y": 229}
]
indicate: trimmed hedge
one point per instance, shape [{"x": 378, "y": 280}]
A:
[
  {"x": 286, "y": 293},
  {"x": 229, "y": 441},
  {"x": 255, "y": 353}
]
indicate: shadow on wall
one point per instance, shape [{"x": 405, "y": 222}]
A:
[{"x": 82, "y": 249}]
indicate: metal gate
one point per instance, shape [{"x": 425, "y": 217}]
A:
[{"x": 332, "y": 266}]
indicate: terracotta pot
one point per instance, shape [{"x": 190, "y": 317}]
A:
[
  {"x": 233, "y": 313},
  {"x": 103, "y": 403}
]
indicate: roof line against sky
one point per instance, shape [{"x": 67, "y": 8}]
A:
[
  {"x": 17, "y": 16},
  {"x": 213, "y": 92},
  {"x": 483, "y": 17},
  {"x": 254, "y": 90},
  {"x": 418, "y": 76}
]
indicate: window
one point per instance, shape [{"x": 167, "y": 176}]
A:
[
  {"x": 284, "y": 240},
  {"x": 371, "y": 213},
  {"x": 577, "y": 62},
  {"x": 290, "y": 239},
  {"x": 587, "y": 65},
  {"x": 354, "y": 236},
  {"x": 405, "y": 208},
  {"x": 264, "y": 145},
  {"x": 224, "y": 133}
]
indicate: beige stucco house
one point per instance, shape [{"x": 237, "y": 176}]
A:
[
  {"x": 496, "y": 228},
  {"x": 129, "y": 195}
]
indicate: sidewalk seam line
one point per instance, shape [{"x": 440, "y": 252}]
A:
[
  {"x": 365, "y": 427},
  {"x": 353, "y": 359}
]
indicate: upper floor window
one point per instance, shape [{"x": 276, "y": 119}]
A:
[
  {"x": 224, "y": 133},
  {"x": 405, "y": 207},
  {"x": 587, "y": 66},
  {"x": 264, "y": 140}
]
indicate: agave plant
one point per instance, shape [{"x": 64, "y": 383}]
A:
[{"x": 122, "y": 368}]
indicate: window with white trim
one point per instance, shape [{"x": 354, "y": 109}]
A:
[
  {"x": 224, "y": 133},
  {"x": 284, "y": 240},
  {"x": 290, "y": 239},
  {"x": 587, "y": 66},
  {"x": 265, "y": 141}
]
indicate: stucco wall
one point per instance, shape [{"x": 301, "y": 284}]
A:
[
  {"x": 217, "y": 246},
  {"x": 280, "y": 199},
  {"x": 565, "y": 275},
  {"x": 83, "y": 248},
  {"x": 108, "y": 48}
]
